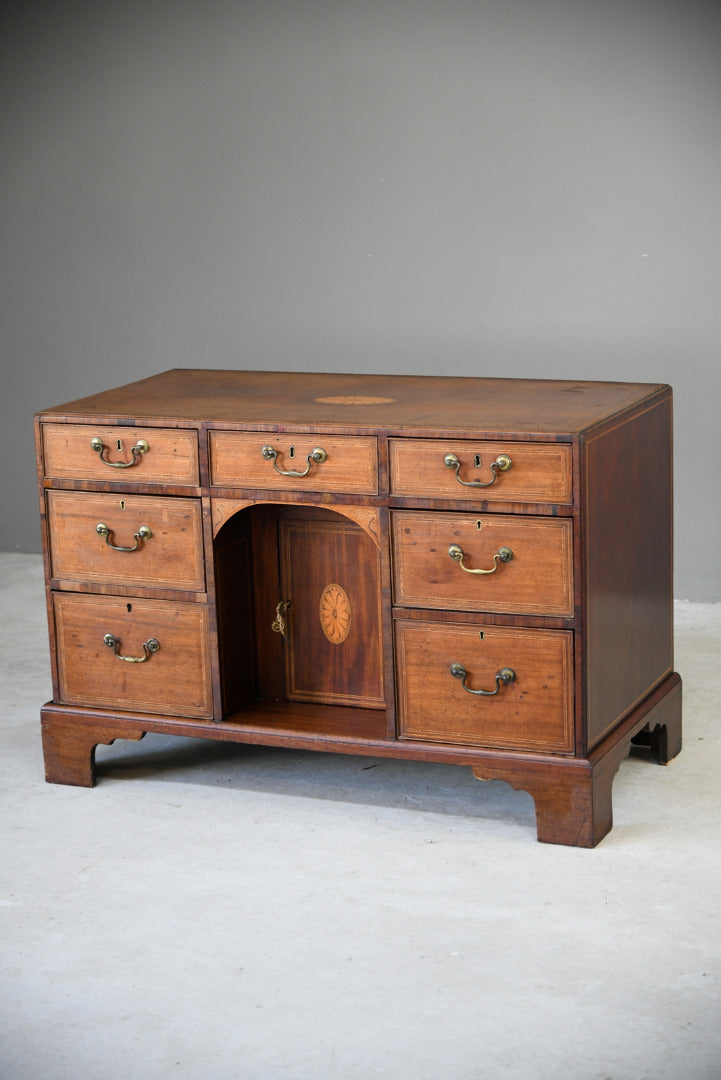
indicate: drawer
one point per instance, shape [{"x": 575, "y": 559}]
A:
[
  {"x": 495, "y": 562},
  {"x": 131, "y": 455},
  {"x": 479, "y": 471},
  {"x": 534, "y": 712},
  {"x": 160, "y": 540},
  {"x": 253, "y": 459},
  {"x": 175, "y": 679}
]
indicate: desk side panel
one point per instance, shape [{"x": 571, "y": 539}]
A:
[{"x": 627, "y": 525}]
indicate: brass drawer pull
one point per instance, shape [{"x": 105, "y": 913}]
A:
[
  {"x": 144, "y": 533},
  {"x": 457, "y": 553},
  {"x": 141, "y": 447},
  {"x": 501, "y": 464},
  {"x": 150, "y": 646},
  {"x": 318, "y": 455},
  {"x": 503, "y": 677}
]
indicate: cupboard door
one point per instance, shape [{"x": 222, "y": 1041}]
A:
[{"x": 330, "y": 578}]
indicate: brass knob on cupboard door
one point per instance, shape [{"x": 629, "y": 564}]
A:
[{"x": 280, "y": 623}]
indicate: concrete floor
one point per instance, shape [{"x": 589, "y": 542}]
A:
[{"x": 231, "y": 913}]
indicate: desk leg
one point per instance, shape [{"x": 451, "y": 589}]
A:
[
  {"x": 573, "y": 797},
  {"x": 69, "y": 742}
]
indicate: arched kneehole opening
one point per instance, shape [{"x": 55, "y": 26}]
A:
[{"x": 298, "y": 591}]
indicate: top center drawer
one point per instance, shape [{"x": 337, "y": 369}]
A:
[
  {"x": 481, "y": 471},
  {"x": 290, "y": 462}
]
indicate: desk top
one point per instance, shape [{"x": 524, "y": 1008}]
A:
[{"x": 402, "y": 404}]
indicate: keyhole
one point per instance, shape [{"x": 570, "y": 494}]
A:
[
  {"x": 130, "y": 607},
  {"x": 477, "y": 461},
  {"x": 291, "y": 451},
  {"x": 122, "y": 504},
  {"x": 479, "y": 524},
  {"x": 120, "y": 444},
  {"x": 481, "y": 634}
]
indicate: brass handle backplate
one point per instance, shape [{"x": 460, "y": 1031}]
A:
[
  {"x": 141, "y": 447},
  {"x": 149, "y": 647},
  {"x": 318, "y": 456},
  {"x": 144, "y": 533},
  {"x": 456, "y": 552},
  {"x": 501, "y": 464},
  {"x": 503, "y": 678}
]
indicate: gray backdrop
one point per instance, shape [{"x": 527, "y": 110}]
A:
[{"x": 520, "y": 187}]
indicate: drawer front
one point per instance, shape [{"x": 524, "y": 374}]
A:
[
  {"x": 161, "y": 540},
  {"x": 479, "y": 471},
  {"x": 251, "y": 459},
  {"x": 534, "y": 712},
  {"x": 130, "y": 455},
  {"x": 527, "y": 562},
  {"x": 175, "y": 679}
]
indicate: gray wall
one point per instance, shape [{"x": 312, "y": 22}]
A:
[{"x": 522, "y": 187}]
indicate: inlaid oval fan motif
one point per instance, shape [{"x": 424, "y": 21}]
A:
[{"x": 335, "y": 613}]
